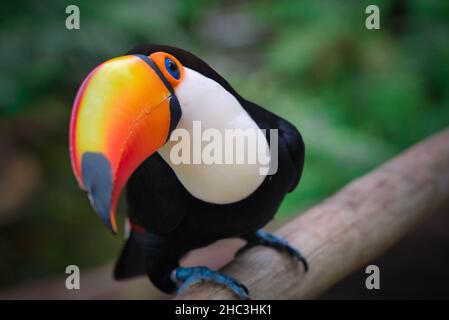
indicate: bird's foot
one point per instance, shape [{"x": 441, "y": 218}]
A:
[
  {"x": 266, "y": 239},
  {"x": 186, "y": 277}
]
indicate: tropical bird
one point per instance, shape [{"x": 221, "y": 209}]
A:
[{"x": 123, "y": 118}]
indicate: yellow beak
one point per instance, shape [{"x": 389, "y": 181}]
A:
[{"x": 123, "y": 112}]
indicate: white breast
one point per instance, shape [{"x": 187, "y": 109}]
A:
[{"x": 203, "y": 99}]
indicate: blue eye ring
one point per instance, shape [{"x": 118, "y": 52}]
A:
[{"x": 172, "y": 68}]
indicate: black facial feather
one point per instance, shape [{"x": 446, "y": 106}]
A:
[{"x": 188, "y": 60}]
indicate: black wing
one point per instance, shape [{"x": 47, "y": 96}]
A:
[{"x": 288, "y": 134}]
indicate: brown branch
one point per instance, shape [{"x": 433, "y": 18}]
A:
[{"x": 347, "y": 230}]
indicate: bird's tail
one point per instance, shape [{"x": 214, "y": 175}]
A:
[{"x": 131, "y": 261}]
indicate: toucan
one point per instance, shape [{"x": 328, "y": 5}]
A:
[{"x": 123, "y": 117}]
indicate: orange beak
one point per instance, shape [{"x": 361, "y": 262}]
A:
[{"x": 123, "y": 113}]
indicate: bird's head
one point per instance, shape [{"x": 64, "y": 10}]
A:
[{"x": 124, "y": 111}]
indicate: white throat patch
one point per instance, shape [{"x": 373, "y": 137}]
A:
[{"x": 203, "y": 99}]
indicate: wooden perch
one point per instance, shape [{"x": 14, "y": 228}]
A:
[{"x": 348, "y": 230}]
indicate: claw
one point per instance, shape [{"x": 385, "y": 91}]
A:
[
  {"x": 186, "y": 277},
  {"x": 297, "y": 255},
  {"x": 264, "y": 238}
]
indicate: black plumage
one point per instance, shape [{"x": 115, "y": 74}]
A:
[{"x": 176, "y": 222}]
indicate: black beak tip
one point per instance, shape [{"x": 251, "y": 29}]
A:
[{"x": 97, "y": 179}]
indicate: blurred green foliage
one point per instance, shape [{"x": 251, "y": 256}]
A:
[{"x": 359, "y": 97}]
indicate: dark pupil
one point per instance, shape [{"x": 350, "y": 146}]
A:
[{"x": 172, "y": 66}]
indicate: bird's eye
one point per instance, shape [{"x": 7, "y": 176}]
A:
[{"x": 172, "y": 68}]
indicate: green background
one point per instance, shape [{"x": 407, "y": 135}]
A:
[{"x": 358, "y": 96}]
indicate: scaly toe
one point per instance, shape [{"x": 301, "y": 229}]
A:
[{"x": 189, "y": 276}]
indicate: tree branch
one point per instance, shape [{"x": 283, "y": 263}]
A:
[{"x": 348, "y": 230}]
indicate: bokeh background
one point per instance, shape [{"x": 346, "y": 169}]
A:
[{"x": 358, "y": 96}]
